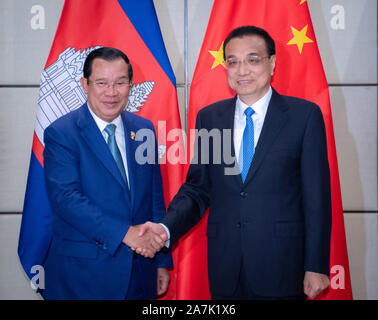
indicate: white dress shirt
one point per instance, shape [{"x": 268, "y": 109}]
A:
[
  {"x": 119, "y": 136},
  {"x": 260, "y": 107}
]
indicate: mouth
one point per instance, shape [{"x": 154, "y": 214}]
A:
[
  {"x": 110, "y": 104},
  {"x": 244, "y": 82}
]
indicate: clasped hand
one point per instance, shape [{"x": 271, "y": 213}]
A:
[{"x": 146, "y": 239}]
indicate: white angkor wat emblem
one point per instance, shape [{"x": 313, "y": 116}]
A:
[
  {"x": 138, "y": 95},
  {"x": 61, "y": 92}
]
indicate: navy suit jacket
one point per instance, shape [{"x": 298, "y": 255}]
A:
[
  {"x": 278, "y": 222},
  {"x": 93, "y": 209}
]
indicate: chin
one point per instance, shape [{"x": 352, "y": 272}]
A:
[
  {"x": 246, "y": 93},
  {"x": 109, "y": 117}
]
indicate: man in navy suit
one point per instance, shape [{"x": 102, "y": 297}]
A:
[
  {"x": 100, "y": 194},
  {"x": 269, "y": 225}
]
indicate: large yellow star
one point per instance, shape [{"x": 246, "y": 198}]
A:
[
  {"x": 300, "y": 38},
  {"x": 218, "y": 57},
  {"x": 303, "y": 1}
]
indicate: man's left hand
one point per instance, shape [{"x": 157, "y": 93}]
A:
[
  {"x": 162, "y": 280},
  {"x": 314, "y": 283}
]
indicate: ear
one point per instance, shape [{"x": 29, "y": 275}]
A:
[
  {"x": 84, "y": 84},
  {"x": 272, "y": 64}
]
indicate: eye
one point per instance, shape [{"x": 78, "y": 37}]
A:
[
  {"x": 232, "y": 63},
  {"x": 101, "y": 83},
  {"x": 253, "y": 60}
]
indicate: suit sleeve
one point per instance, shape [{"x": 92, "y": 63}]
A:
[
  {"x": 316, "y": 194},
  {"x": 163, "y": 258},
  {"x": 66, "y": 197},
  {"x": 190, "y": 203}
]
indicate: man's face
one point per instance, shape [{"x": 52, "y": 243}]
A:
[
  {"x": 249, "y": 68},
  {"x": 107, "y": 88}
]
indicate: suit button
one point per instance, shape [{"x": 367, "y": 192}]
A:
[
  {"x": 238, "y": 225},
  {"x": 243, "y": 194}
]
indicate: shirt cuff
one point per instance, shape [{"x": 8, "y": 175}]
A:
[{"x": 167, "y": 243}]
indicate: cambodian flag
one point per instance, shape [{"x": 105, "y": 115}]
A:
[{"x": 128, "y": 25}]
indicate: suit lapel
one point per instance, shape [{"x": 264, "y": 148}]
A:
[
  {"x": 275, "y": 119},
  {"x": 96, "y": 142}
]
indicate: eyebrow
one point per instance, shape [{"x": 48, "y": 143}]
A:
[
  {"x": 248, "y": 55},
  {"x": 105, "y": 79},
  {"x": 123, "y": 78}
]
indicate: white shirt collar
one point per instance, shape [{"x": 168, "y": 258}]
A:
[
  {"x": 260, "y": 107},
  {"x": 101, "y": 124}
]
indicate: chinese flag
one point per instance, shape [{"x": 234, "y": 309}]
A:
[
  {"x": 131, "y": 26},
  {"x": 299, "y": 72}
]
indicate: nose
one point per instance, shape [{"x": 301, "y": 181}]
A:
[
  {"x": 110, "y": 90},
  {"x": 243, "y": 68}
]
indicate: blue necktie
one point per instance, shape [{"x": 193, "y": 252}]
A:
[
  {"x": 112, "y": 144},
  {"x": 248, "y": 146}
]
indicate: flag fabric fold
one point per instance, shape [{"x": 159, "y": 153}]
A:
[
  {"x": 131, "y": 26},
  {"x": 299, "y": 72}
]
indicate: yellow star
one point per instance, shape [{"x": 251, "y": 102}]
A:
[
  {"x": 218, "y": 57},
  {"x": 299, "y": 38},
  {"x": 303, "y": 1}
]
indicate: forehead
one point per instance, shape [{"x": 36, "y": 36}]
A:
[
  {"x": 100, "y": 66},
  {"x": 246, "y": 45}
]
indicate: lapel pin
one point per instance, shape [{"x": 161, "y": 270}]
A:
[{"x": 132, "y": 135}]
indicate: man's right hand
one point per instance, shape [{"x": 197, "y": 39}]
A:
[
  {"x": 145, "y": 240},
  {"x": 159, "y": 235}
]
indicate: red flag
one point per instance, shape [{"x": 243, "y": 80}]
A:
[
  {"x": 299, "y": 72},
  {"x": 132, "y": 27}
]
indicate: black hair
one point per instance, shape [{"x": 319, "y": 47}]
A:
[
  {"x": 107, "y": 54},
  {"x": 251, "y": 31}
]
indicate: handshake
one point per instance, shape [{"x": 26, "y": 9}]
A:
[{"x": 146, "y": 239}]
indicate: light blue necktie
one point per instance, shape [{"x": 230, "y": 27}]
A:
[
  {"x": 110, "y": 130},
  {"x": 248, "y": 146}
]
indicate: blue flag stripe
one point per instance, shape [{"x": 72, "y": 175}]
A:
[
  {"x": 35, "y": 233},
  {"x": 142, "y": 15}
]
